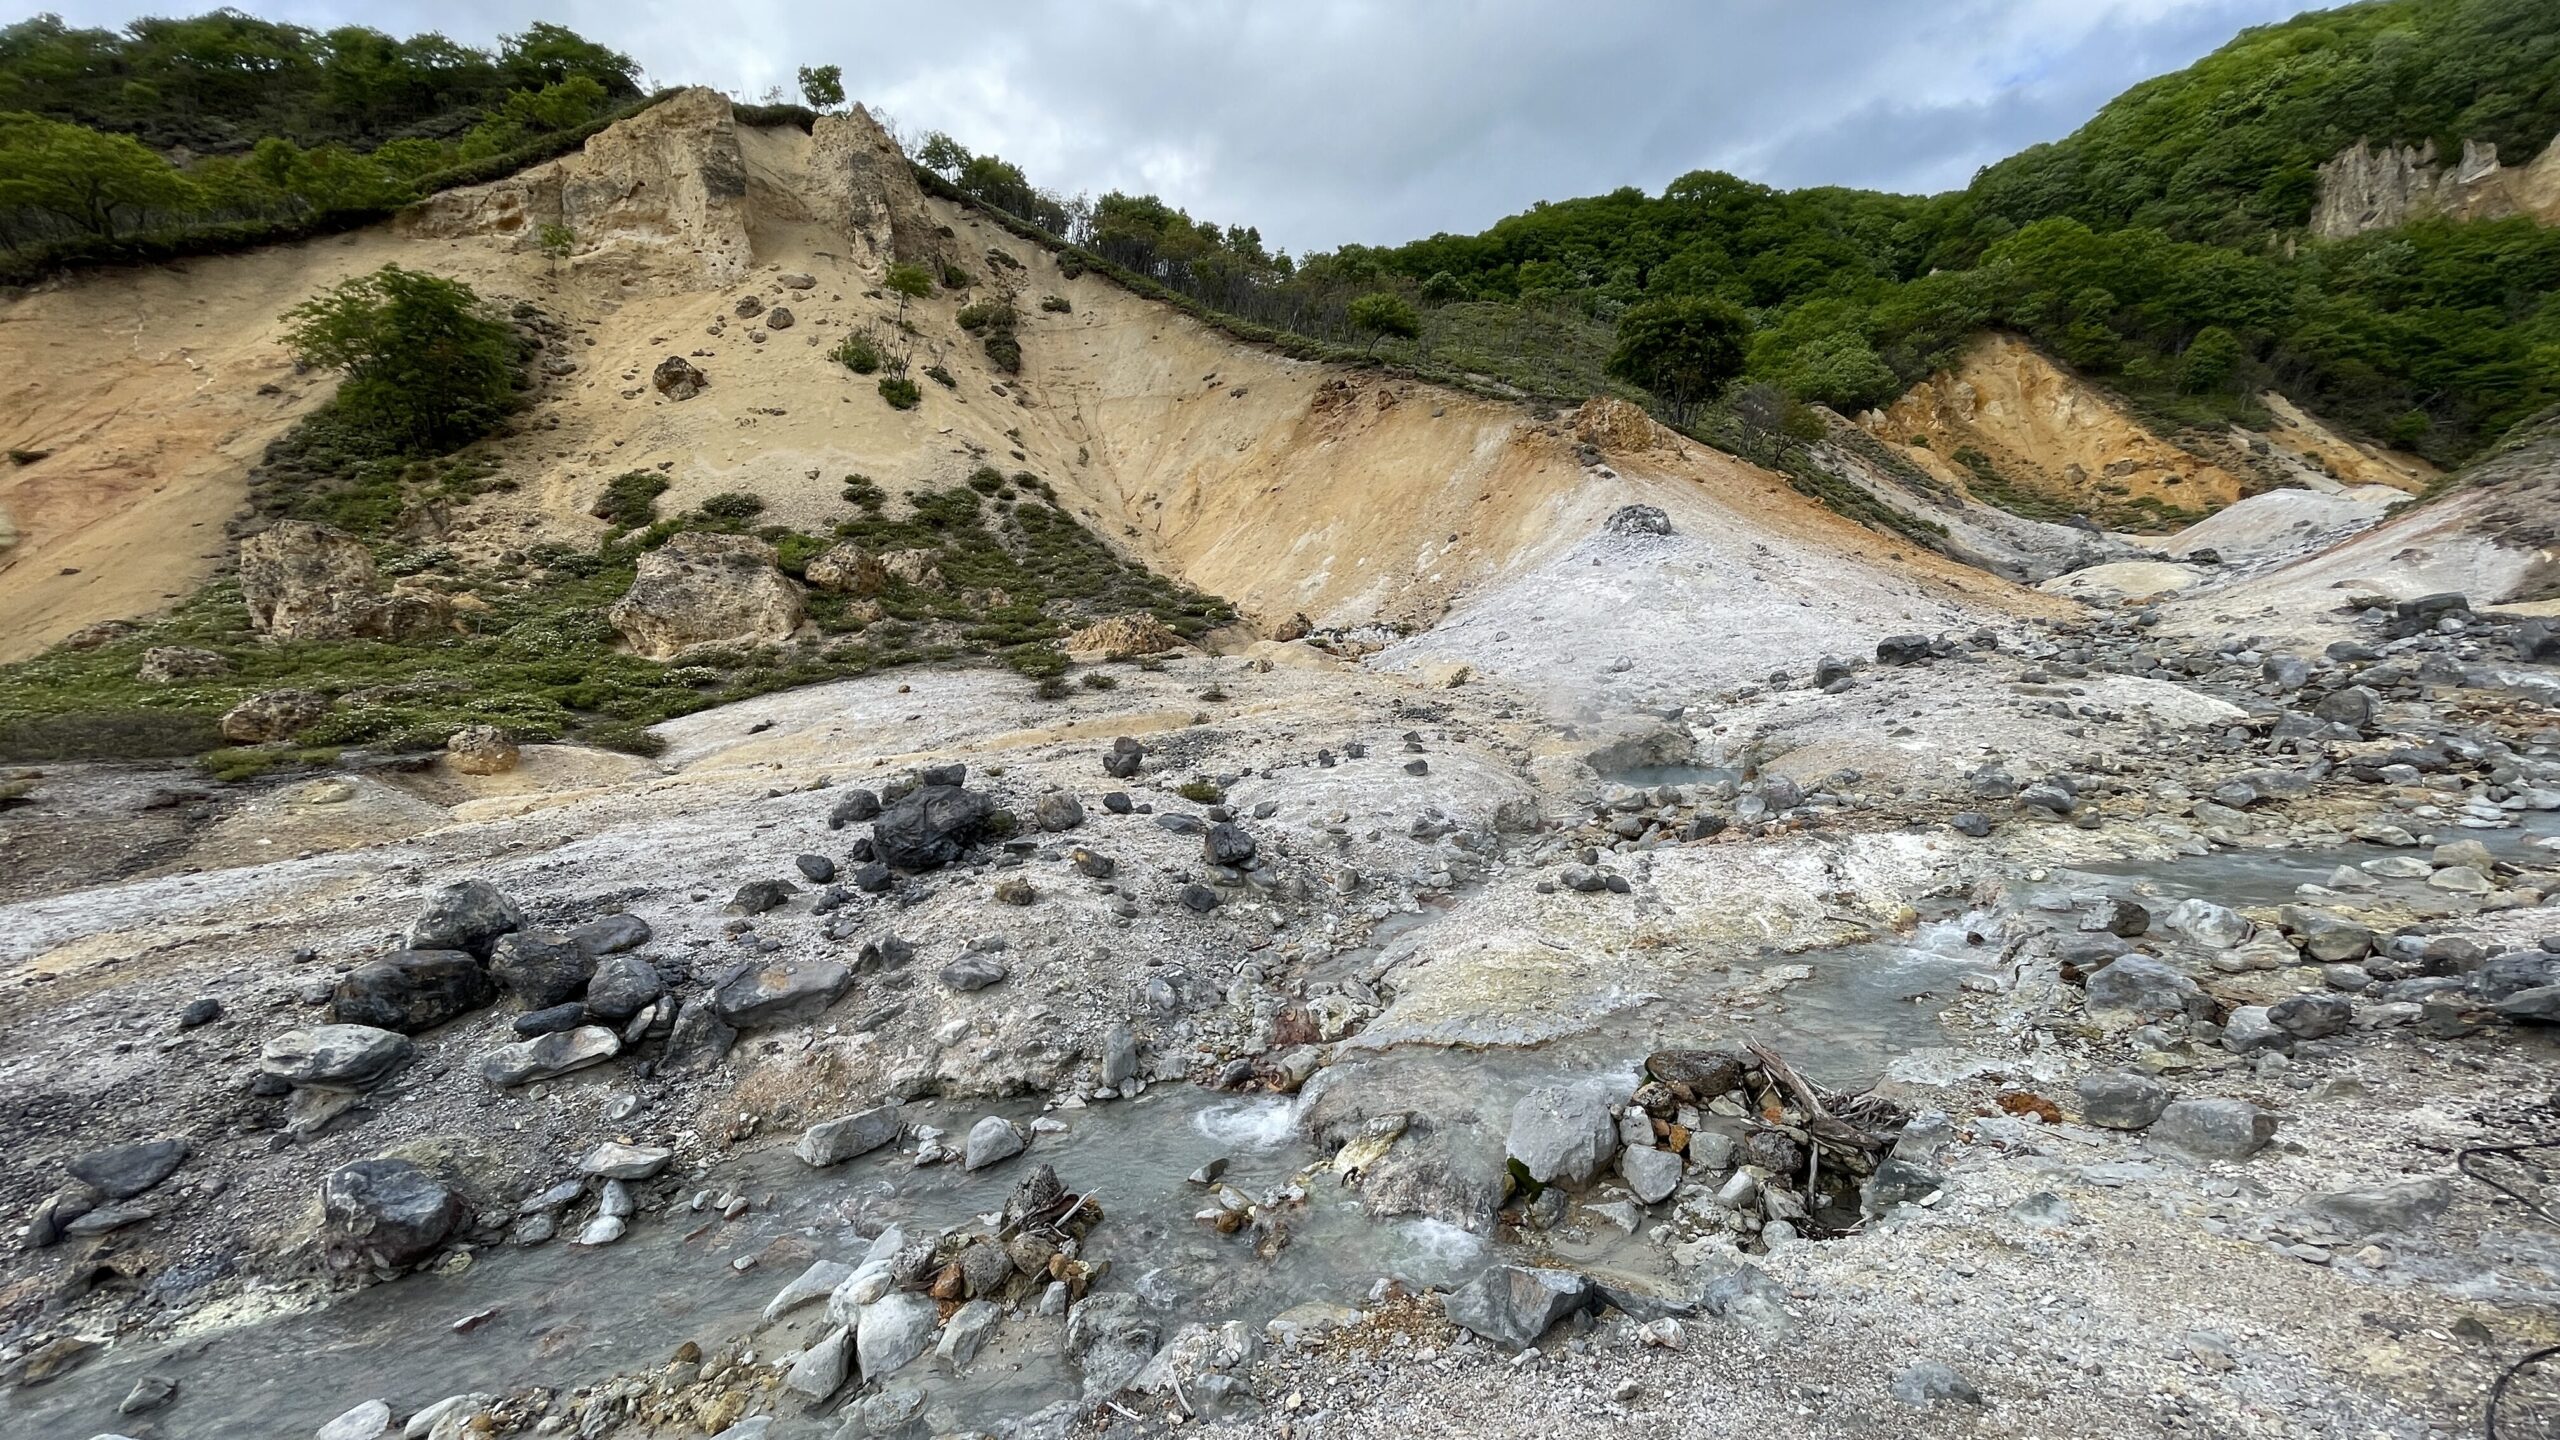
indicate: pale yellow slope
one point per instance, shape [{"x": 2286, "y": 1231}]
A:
[{"x": 1284, "y": 486}]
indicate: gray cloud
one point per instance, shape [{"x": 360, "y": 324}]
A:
[{"x": 1332, "y": 121}]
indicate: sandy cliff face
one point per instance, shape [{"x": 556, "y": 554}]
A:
[
  {"x": 1351, "y": 497},
  {"x": 2054, "y": 437},
  {"x": 2044, "y": 430},
  {"x": 2377, "y": 187}
]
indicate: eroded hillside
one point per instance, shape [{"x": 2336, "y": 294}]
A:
[{"x": 1351, "y": 498}]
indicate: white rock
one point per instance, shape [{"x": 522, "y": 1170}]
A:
[{"x": 365, "y": 1422}]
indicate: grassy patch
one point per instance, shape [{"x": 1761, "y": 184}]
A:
[{"x": 540, "y": 657}]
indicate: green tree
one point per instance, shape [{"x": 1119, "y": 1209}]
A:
[
  {"x": 97, "y": 182},
  {"x": 943, "y": 155},
  {"x": 908, "y": 282},
  {"x": 1684, "y": 350},
  {"x": 1442, "y": 288},
  {"x": 1382, "y": 313},
  {"x": 2212, "y": 359},
  {"x": 427, "y": 364},
  {"x": 822, "y": 86}
]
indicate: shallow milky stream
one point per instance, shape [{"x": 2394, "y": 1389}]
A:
[{"x": 560, "y": 1316}]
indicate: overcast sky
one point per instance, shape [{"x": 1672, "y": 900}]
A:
[{"x": 1382, "y": 120}]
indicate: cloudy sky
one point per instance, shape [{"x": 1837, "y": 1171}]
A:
[{"x": 1330, "y": 121}]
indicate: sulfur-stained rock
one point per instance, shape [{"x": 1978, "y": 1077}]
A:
[{"x": 700, "y": 589}]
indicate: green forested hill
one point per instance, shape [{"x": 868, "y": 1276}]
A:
[
  {"x": 224, "y": 81},
  {"x": 2160, "y": 248},
  {"x": 177, "y": 136},
  {"x": 2227, "y": 148}
]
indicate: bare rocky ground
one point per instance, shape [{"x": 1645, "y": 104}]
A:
[
  {"x": 1447, "y": 908},
  {"x": 1553, "y": 996}
]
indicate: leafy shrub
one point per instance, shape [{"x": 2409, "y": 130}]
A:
[
  {"x": 986, "y": 480},
  {"x": 1051, "y": 688},
  {"x": 858, "y": 490},
  {"x": 1004, "y": 352},
  {"x": 1056, "y": 304},
  {"x": 1201, "y": 792},
  {"x": 733, "y": 505},
  {"x": 941, "y": 377},
  {"x": 631, "y": 499},
  {"x": 994, "y": 316},
  {"x": 900, "y": 392},
  {"x": 1040, "y": 662},
  {"x": 955, "y": 278},
  {"x": 858, "y": 352},
  {"x": 1100, "y": 680},
  {"x": 428, "y": 364}
]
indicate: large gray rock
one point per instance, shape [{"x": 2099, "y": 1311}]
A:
[
  {"x": 930, "y": 827},
  {"x": 124, "y": 1171},
  {"x": 466, "y": 915},
  {"x": 832, "y": 1142},
  {"x": 2143, "y": 986},
  {"x": 814, "y": 1283},
  {"x": 702, "y": 588},
  {"x": 967, "y": 1332},
  {"x": 385, "y": 1214},
  {"x": 2314, "y": 1016},
  {"x": 611, "y": 934},
  {"x": 613, "y": 1160},
  {"x": 1119, "y": 1055},
  {"x": 547, "y": 1057},
  {"x": 2326, "y": 937},
  {"x": 819, "y": 1371},
  {"x": 412, "y": 990},
  {"x": 338, "y": 1057},
  {"x": 2384, "y": 1209},
  {"x": 541, "y": 968},
  {"x": 779, "y": 992},
  {"x": 1563, "y": 1133},
  {"x": 2513, "y": 973},
  {"x": 2121, "y": 1100},
  {"x": 992, "y": 1140},
  {"x": 2214, "y": 1129},
  {"x": 1513, "y": 1305},
  {"x": 623, "y": 985},
  {"x": 1110, "y": 1338},
  {"x": 700, "y": 1039},
  {"x": 974, "y": 972},
  {"x": 2214, "y": 926},
  {"x": 895, "y": 1329},
  {"x": 1652, "y": 1174}
]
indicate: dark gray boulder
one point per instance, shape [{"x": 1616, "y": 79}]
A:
[
  {"x": 611, "y": 935},
  {"x": 385, "y": 1214},
  {"x": 622, "y": 985},
  {"x": 412, "y": 990},
  {"x": 1513, "y": 1305},
  {"x": 779, "y": 992},
  {"x": 344, "y": 1057},
  {"x": 931, "y": 827},
  {"x": 542, "y": 968},
  {"x": 124, "y": 1171},
  {"x": 467, "y": 915}
]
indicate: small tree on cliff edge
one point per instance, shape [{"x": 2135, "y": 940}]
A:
[
  {"x": 1684, "y": 350},
  {"x": 1381, "y": 314},
  {"x": 822, "y": 86},
  {"x": 428, "y": 365}
]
